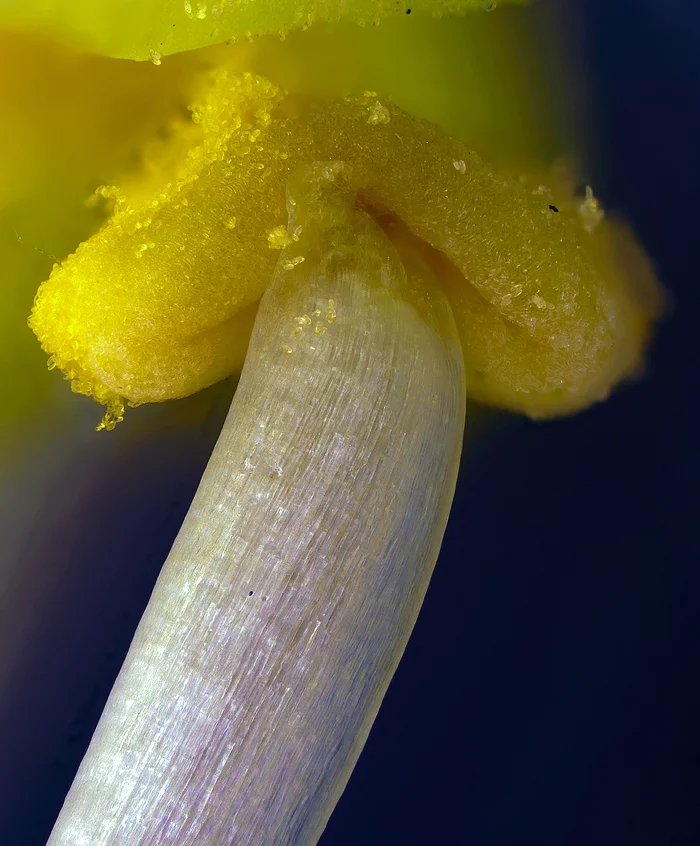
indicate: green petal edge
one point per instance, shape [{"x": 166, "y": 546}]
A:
[{"x": 149, "y": 29}]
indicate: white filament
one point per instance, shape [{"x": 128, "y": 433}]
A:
[{"x": 290, "y": 593}]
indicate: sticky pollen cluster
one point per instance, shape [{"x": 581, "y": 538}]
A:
[
  {"x": 165, "y": 291},
  {"x": 160, "y": 302}
]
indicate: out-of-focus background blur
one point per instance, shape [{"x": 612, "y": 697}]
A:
[{"x": 549, "y": 694}]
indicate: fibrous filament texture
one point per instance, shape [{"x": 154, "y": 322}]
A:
[{"x": 160, "y": 302}]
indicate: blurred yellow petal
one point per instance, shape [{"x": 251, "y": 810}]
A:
[
  {"x": 143, "y": 29},
  {"x": 464, "y": 74}
]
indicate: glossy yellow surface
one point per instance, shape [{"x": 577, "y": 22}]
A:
[{"x": 143, "y": 29}]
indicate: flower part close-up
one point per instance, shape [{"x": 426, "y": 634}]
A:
[{"x": 338, "y": 222}]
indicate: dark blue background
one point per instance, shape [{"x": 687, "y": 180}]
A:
[{"x": 550, "y": 693}]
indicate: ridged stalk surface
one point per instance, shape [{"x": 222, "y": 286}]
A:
[{"x": 290, "y": 592}]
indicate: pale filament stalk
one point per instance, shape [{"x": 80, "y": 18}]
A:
[{"x": 290, "y": 593}]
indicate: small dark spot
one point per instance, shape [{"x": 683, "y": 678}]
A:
[
  {"x": 250, "y": 593},
  {"x": 408, "y": 11},
  {"x": 553, "y": 208},
  {"x": 264, "y": 599}
]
